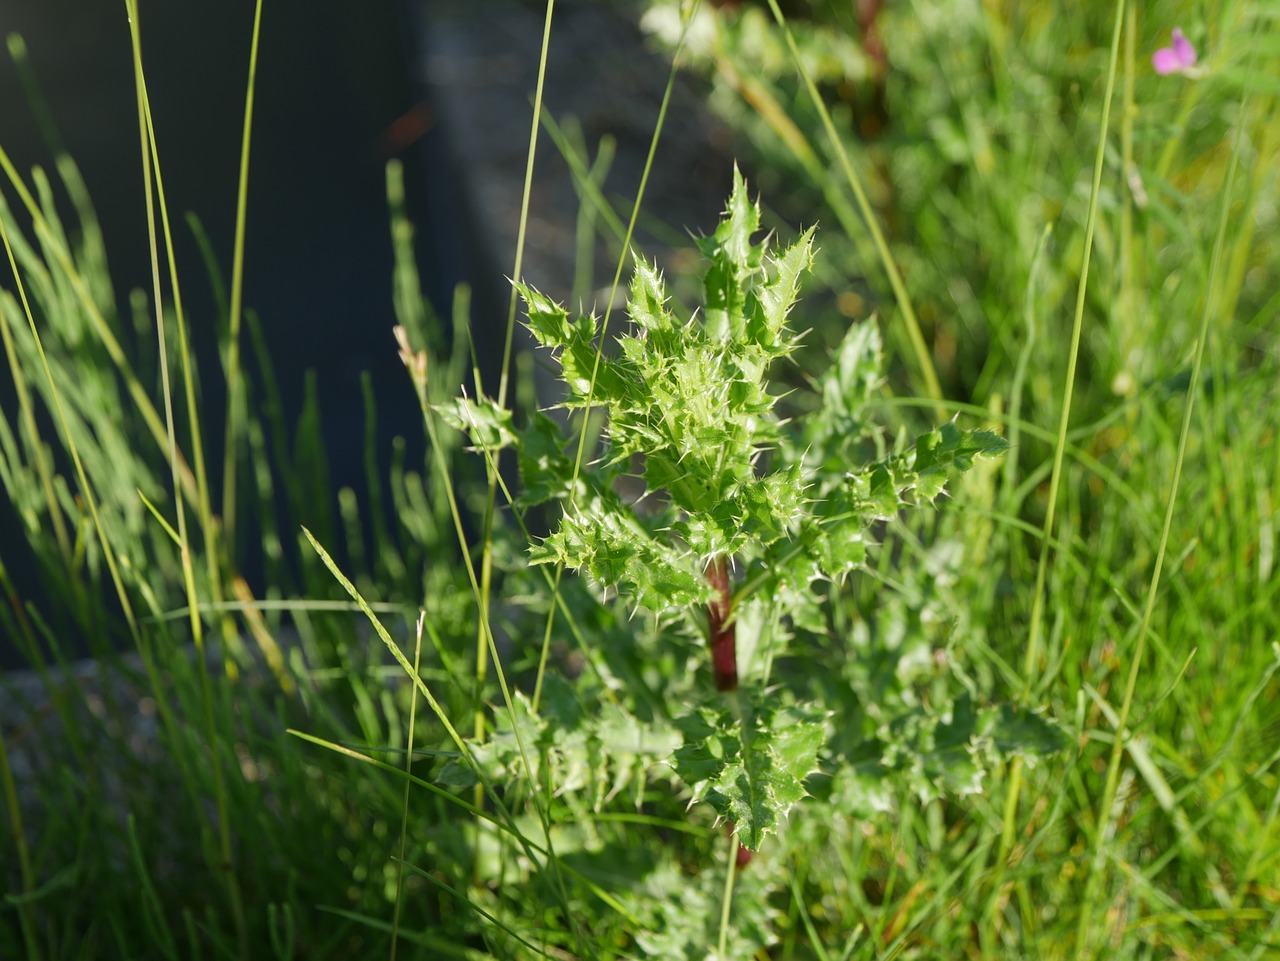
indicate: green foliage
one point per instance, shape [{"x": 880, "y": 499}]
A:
[
  {"x": 688, "y": 399},
  {"x": 751, "y": 768},
  {"x": 881, "y": 572},
  {"x": 591, "y": 755},
  {"x": 973, "y": 145},
  {"x": 694, "y": 431},
  {"x": 678, "y": 915}
]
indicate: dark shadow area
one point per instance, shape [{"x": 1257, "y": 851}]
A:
[{"x": 335, "y": 101}]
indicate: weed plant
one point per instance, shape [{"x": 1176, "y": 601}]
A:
[{"x": 909, "y": 592}]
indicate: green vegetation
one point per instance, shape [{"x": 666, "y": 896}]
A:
[{"x": 947, "y": 628}]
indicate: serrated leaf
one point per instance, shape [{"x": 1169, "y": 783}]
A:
[
  {"x": 779, "y": 294},
  {"x": 942, "y": 453},
  {"x": 546, "y": 472},
  {"x": 741, "y": 221},
  {"x": 952, "y": 764},
  {"x": 647, "y": 296},
  {"x": 752, "y": 772},
  {"x": 1019, "y": 732},
  {"x": 841, "y": 550},
  {"x": 614, "y": 550},
  {"x": 734, "y": 260},
  {"x": 487, "y": 425},
  {"x": 853, "y": 376},
  {"x": 546, "y": 320}
]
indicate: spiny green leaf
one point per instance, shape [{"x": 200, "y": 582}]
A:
[
  {"x": 546, "y": 471},
  {"x": 488, "y": 425},
  {"x": 646, "y": 301},
  {"x": 942, "y": 453},
  {"x": 750, "y": 770},
  {"x": 734, "y": 261},
  {"x": 848, "y": 383},
  {"x": 614, "y": 550},
  {"x": 547, "y": 320},
  {"x": 779, "y": 294}
]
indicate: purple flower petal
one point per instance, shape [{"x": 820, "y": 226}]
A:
[
  {"x": 1179, "y": 57},
  {"x": 1182, "y": 47}
]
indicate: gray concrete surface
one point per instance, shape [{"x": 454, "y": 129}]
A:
[{"x": 480, "y": 61}]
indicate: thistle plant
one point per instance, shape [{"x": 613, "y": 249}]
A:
[{"x": 701, "y": 504}]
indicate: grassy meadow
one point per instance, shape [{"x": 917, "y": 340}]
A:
[{"x": 903, "y": 589}]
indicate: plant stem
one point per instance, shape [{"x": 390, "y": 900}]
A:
[{"x": 721, "y": 630}]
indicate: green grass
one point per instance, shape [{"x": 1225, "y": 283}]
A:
[{"x": 1068, "y": 248}]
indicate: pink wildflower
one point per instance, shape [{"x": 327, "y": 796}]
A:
[{"x": 1178, "y": 57}]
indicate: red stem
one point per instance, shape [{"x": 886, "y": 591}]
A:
[
  {"x": 724, "y": 645},
  {"x": 724, "y": 650}
]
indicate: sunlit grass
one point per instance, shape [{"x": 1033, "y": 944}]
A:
[{"x": 1061, "y": 244}]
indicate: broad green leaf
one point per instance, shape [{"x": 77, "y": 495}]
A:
[{"x": 953, "y": 764}]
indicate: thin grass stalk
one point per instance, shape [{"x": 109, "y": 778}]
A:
[
  {"x": 486, "y": 558},
  {"x": 235, "y": 383},
  {"x": 1060, "y": 445},
  {"x": 155, "y": 192},
  {"x": 1106, "y": 802},
  {"x": 1018, "y": 385},
  {"x": 404, "y": 806},
  {"x": 146, "y": 147},
  {"x": 525, "y": 195},
  {"x": 580, "y": 455},
  {"x": 416, "y": 363},
  {"x": 208, "y": 526},
  {"x": 1267, "y": 138},
  {"x": 726, "y": 900},
  {"x": 923, "y": 359}
]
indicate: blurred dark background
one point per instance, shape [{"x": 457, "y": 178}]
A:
[{"x": 336, "y": 99}]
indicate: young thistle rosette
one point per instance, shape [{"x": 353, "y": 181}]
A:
[
  {"x": 726, "y": 483},
  {"x": 689, "y": 399}
]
